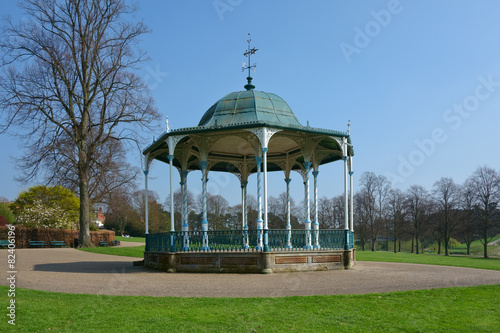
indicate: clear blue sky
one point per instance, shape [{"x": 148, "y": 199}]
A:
[{"x": 419, "y": 80}]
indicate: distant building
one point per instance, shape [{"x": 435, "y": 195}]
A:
[{"x": 99, "y": 218}]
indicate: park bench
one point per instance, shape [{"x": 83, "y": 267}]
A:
[
  {"x": 57, "y": 243},
  {"x": 115, "y": 242},
  {"x": 37, "y": 243},
  {"x": 103, "y": 243},
  {"x": 4, "y": 243}
]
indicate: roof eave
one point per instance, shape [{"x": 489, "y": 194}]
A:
[{"x": 204, "y": 129}]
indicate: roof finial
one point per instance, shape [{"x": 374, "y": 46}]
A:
[
  {"x": 349, "y": 127},
  {"x": 248, "y": 53},
  {"x": 168, "y": 125}
]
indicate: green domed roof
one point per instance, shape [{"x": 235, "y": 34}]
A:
[{"x": 249, "y": 106}]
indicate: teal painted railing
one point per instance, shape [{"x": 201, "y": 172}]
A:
[{"x": 233, "y": 240}]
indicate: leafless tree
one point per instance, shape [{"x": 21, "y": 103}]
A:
[
  {"x": 418, "y": 207},
  {"x": 446, "y": 195},
  {"x": 397, "y": 211},
  {"x": 382, "y": 192},
  {"x": 325, "y": 213},
  {"x": 108, "y": 172},
  {"x": 485, "y": 185},
  {"x": 375, "y": 193},
  {"x": 120, "y": 210},
  {"x": 467, "y": 217},
  {"x": 68, "y": 76},
  {"x": 191, "y": 206},
  {"x": 362, "y": 220}
]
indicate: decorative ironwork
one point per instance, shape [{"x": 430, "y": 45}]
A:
[{"x": 231, "y": 240}]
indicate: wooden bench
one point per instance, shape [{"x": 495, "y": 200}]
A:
[
  {"x": 37, "y": 243},
  {"x": 103, "y": 243},
  {"x": 57, "y": 243},
  {"x": 4, "y": 243}
]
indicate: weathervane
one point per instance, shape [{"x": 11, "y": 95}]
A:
[{"x": 248, "y": 53}]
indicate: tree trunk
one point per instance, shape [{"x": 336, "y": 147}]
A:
[
  {"x": 446, "y": 243},
  {"x": 485, "y": 235},
  {"x": 485, "y": 244},
  {"x": 83, "y": 175}
]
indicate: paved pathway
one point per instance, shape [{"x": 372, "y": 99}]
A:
[{"x": 73, "y": 271}]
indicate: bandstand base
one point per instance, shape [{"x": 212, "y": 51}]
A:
[{"x": 250, "y": 262}]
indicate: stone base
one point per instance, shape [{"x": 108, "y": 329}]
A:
[{"x": 250, "y": 262}]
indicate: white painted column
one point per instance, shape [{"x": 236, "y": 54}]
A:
[
  {"x": 307, "y": 222},
  {"x": 351, "y": 182},
  {"x": 204, "y": 222},
  {"x": 259, "y": 205},
  {"x": 288, "y": 215},
  {"x": 244, "y": 214},
  {"x": 346, "y": 198},
  {"x": 146, "y": 199},
  {"x": 266, "y": 240},
  {"x": 316, "y": 223},
  {"x": 172, "y": 225},
  {"x": 185, "y": 225}
]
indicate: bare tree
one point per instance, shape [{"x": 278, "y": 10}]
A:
[
  {"x": 217, "y": 206},
  {"x": 67, "y": 76},
  {"x": 108, "y": 170},
  {"x": 397, "y": 214},
  {"x": 376, "y": 190},
  {"x": 178, "y": 199},
  {"x": 362, "y": 220},
  {"x": 485, "y": 186},
  {"x": 325, "y": 213},
  {"x": 417, "y": 205},
  {"x": 382, "y": 192},
  {"x": 446, "y": 195},
  {"x": 467, "y": 217},
  {"x": 120, "y": 212}
]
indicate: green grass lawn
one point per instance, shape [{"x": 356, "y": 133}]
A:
[
  {"x": 135, "y": 251},
  {"x": 472, "y": 309},
  {"x": 430, "y": 259},
  {"x": 476, "y": 247},
  {"x": 133, "y": 239}
]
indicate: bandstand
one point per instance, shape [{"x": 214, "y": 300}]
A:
[{"x": 252, "y": 132}]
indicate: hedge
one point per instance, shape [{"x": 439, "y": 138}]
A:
[{"x": 24, "y": 235}]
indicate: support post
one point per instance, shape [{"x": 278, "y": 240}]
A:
[
  {"x": 307, "y": 222},
  {"x": 351, "y": 204},
  {"x": 288, "y": 214},
  {"x": 204, "y": 222},
  {"x": 346, "y": 198},
  {"x": 244, "y": 215},
  {"x": 316, "y": 223},
  {"x": 185, "y": 225},
  {"x": 146, "y": 199},
  {"x": 259, "y": 205},
  {"x": 266, "y": 239},
  {"x": 172, "y": 225}
]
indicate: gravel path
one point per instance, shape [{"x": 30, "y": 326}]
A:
[{"x": 73, "y": 271}]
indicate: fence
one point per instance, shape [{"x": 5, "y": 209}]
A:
[{"x": 248, "y": 241}]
